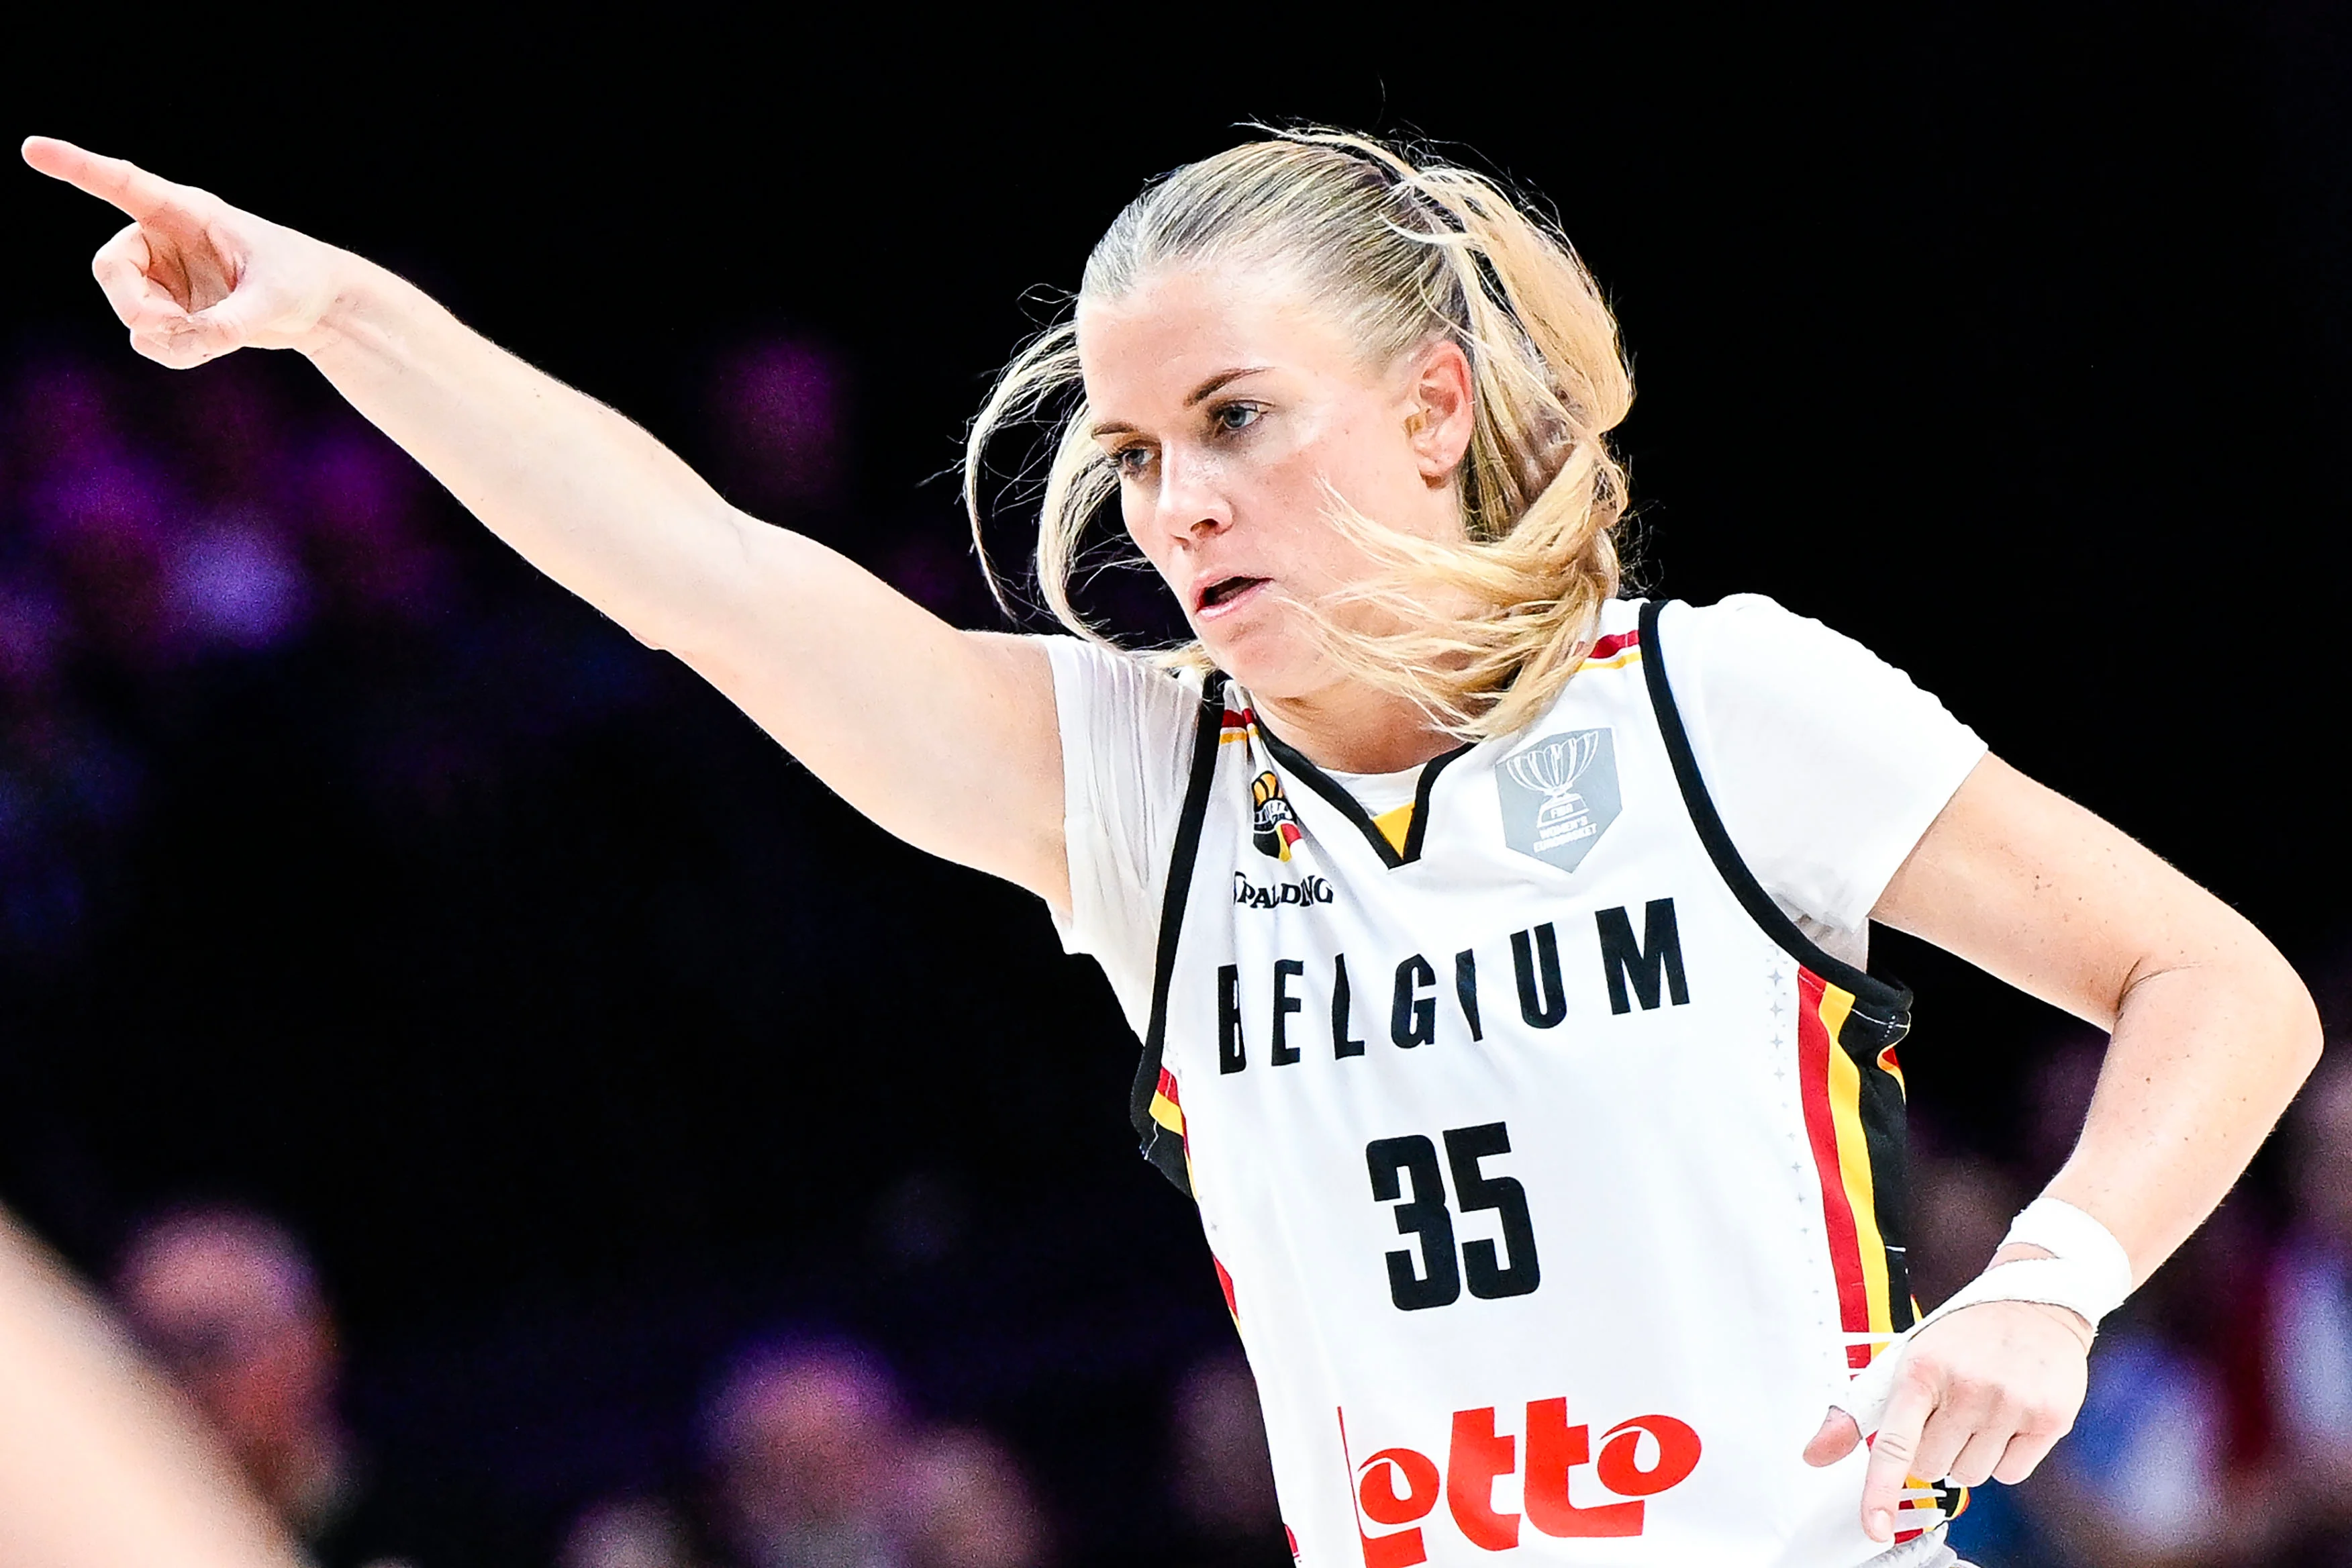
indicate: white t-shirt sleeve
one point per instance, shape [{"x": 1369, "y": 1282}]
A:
[
  {"x": 1825, "y": 762},
  {"x": 1126, "y": 752}
]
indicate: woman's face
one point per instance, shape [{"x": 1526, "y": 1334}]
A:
[{"x": 1227, "y": 401}]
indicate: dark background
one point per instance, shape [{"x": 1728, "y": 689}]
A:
[{"x": 585, "y": 1035}]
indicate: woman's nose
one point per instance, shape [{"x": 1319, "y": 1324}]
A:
[{"x": 1189, "y": 508}]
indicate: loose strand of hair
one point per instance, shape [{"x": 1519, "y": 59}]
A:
[{"x": 1048, "y": 363}]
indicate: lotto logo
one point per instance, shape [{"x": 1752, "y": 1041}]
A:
[{"x": 1400, "y": 1486}]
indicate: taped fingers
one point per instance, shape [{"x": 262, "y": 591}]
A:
[
  {"x": 1865, "y": 1396},
  {"x": 1894, "y": 1456}
]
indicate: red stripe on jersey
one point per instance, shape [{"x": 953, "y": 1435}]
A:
[
  {"x": 1813, "y": 1048},
  {"x": 1168, "y": 1088},
  {"x": 1614, "y": 644}
]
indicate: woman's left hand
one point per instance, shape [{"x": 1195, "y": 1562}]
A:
[
  {"x": 2212, "y": 1033},
  {"x": 1982, "y": 1395}
]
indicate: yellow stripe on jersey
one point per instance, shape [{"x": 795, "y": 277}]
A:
[
  {"x": 1886, "y": 1062},
  {"x": 1615, "y": 661},
  {"x": 1166, "y": 1112},
  {"x": 1395, "y": 826},
  {"x": 1853, "y": 1159}
]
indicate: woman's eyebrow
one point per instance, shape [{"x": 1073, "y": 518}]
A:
[
  {"x": 1220, "y": 379},
  {"x": 1191, "y": 399}
]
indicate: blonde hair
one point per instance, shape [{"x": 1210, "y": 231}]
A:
[{"x": 1401, "y": 253}]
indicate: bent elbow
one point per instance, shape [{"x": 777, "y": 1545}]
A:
[
  {"x": 2310, "y": 1033},
  {"x": 2294, "y": 1020}
]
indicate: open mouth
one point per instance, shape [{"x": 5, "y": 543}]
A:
[{"x": 1225, "y": 590}]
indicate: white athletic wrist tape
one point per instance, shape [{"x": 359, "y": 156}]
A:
[
  {"x": 2087, "y": 1270},
  {"x": 2088, "y": 1274}
]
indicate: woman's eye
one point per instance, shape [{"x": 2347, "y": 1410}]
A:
[
  {"x": 1236, "y": 416},
  {"x": 1131, "y": 460}
]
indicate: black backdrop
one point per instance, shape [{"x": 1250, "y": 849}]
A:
[{"x": 2016, "y": 347}]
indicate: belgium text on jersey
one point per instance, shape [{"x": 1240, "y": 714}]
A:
[{"x": 1648, "y": 968}]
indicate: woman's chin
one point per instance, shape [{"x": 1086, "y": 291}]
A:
[{"x": 1271, "y": 665}]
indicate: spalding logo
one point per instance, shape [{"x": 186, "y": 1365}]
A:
[{"x": 1259, "y": 896}]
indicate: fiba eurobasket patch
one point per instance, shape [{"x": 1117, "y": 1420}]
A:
[{"x": 1559, "y": 795}]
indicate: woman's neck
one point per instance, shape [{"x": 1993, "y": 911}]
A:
[{"x": 1350, "y": 729}]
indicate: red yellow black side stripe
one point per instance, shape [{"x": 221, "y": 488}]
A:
[
  {"x": 1872, "y": 1286},
  {"x": 1854, "y": 1092}
]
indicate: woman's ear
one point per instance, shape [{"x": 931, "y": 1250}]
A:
[{"x": 1442, "y": 407}]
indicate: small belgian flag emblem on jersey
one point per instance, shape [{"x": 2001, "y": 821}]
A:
[{"x": 1275, "y": 826}]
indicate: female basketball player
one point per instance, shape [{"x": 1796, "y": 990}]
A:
[{"x": 1495, "y": 943}]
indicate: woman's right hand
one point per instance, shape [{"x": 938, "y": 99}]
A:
[{"x": 193, "y": 276}]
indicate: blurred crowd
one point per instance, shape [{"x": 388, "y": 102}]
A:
[
  {"x": 2218, "y": 1429},
  {"x": 2217, "y": 1434},
  {"x": 150, "y": 554},
  {"x": 160, "y": 545},
  {"x": 811, "y": 1454}
]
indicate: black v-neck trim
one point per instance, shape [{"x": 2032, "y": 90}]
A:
[{"x": 1349, "y": 806}]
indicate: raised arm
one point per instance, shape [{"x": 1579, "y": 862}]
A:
[
  {"x": 946, "y": 738},
  {"x": 2212, "y": 1032}
]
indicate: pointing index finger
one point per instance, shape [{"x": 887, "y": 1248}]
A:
[{"x": 115, "y": 180}]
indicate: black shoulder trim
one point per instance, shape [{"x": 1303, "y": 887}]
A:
[
  {"x": 1160, "y": 1146},
  {"x": 1887, "y": 999},
  {"x": 1349, "y": 806}
]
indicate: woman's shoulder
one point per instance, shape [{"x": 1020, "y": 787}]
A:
[
  {"x": 1754, "y": 642},
  {"x": 1110, "y": 663},
  {"x": 1749, "y": 674},
  {"x": 1098, "y": 687},
  {"x": 1735, "y": 615},
  {"x": 1825, "y": 762},
  {"x": 1756, "y": 613}
]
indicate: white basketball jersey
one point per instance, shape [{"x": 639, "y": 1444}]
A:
[{"x": 1554, "y": 1178}]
